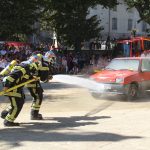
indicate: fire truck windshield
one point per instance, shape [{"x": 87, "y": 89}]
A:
[{"x": 122, "y": 50}]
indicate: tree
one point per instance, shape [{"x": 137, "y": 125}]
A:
[
  {"x": 142, "y": 6},
  {"x": 71, "y": 21},
  {"x": 17, "y": 17}
]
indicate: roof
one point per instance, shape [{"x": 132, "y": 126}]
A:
[{"x": 133, "y": 39}]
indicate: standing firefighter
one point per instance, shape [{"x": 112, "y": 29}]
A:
[
  {"x": 36, "y": 89},
  {"x": 19, "y": 74}
]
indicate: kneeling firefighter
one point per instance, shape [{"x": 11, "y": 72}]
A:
[
  {"x": 36, "y": 89},
  {"x": 19, "y": 74}
]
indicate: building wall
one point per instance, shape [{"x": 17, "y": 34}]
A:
[{"x": 122, "y": 14}]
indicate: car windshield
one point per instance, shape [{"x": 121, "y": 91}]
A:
[{"x": 123, "y": 64}]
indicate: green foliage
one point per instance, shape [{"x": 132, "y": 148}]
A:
[
  {"x": 17, "y": 17},
  {"x": 143, "y": 7},
  {"x": 67, "y": 17},
  {"x": 71, "y": 21}
]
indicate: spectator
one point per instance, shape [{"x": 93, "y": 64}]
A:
[
  {"x": 3, "y": 52},
  {"x": 64, "y": 64},
  {"x": 3, "y": 63}
]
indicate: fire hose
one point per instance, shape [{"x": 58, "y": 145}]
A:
[{"x": 17, "y": 86}]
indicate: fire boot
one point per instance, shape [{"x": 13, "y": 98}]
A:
[
  {"x": 4, "y": 114},
  {"x": 10, "y": 124},
  {"x": 35, "y": 115}
]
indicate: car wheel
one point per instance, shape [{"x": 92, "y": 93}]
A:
[
  {"x": 96, "y": 95},
  {"x": 132, "y": 92}
]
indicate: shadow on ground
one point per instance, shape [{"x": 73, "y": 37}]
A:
[
  {"x": 58, "y": 130},
  {"x": 142, "y": 98}
]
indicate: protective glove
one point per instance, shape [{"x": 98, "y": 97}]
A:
[{"x": 5, "y": 88}]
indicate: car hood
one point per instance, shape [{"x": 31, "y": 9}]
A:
[{"x": 111, "y": 75}]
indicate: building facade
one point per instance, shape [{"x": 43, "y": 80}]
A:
[{"x": 120, "y": 21}]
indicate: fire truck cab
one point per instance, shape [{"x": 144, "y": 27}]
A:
[{"x": 133, "y": 47}]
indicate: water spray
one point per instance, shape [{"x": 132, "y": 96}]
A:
[
  {"x": 85, "y": 83},
  {"x": 80, "y": 81}
]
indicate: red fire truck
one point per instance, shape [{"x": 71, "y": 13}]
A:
[{"x": 132, "y": 47}]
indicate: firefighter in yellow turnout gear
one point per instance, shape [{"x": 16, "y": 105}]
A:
[
  {"x": 19, "y": 74},
  {"x": 4, "y": 73},
  {"x": 36, "y": 89}
]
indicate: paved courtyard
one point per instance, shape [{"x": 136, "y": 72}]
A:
[{"x": 74, "y": 120}]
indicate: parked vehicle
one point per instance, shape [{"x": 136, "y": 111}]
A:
[{"x": 128, "y": 76}]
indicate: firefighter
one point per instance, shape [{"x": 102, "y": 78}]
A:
[
  {"x": 50, "y": 57},
  {"x": 19, "y": 74},
  {"x": 36, "y": 89},
  {"x": 6, "y": 71}
]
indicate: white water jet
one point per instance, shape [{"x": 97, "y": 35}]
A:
[{"x": 79, "y": 81}]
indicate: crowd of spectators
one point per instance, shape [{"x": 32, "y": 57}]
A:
[
  {"x": 8, "y": 53},
  {"x": 72, "y": 63},
  {"x": 65, "y": 63}
]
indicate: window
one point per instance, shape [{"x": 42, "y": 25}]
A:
[
  {"x": 146, "y": 45},
  {"x": 136, "y": 47},
  {"x": 114, "y": 23},
  {"x": 146, "y": 65},
  {"x": 121, "y": 64},
  {"x": 130, "y": 21},
  {"x": 144, "y": 26}
]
